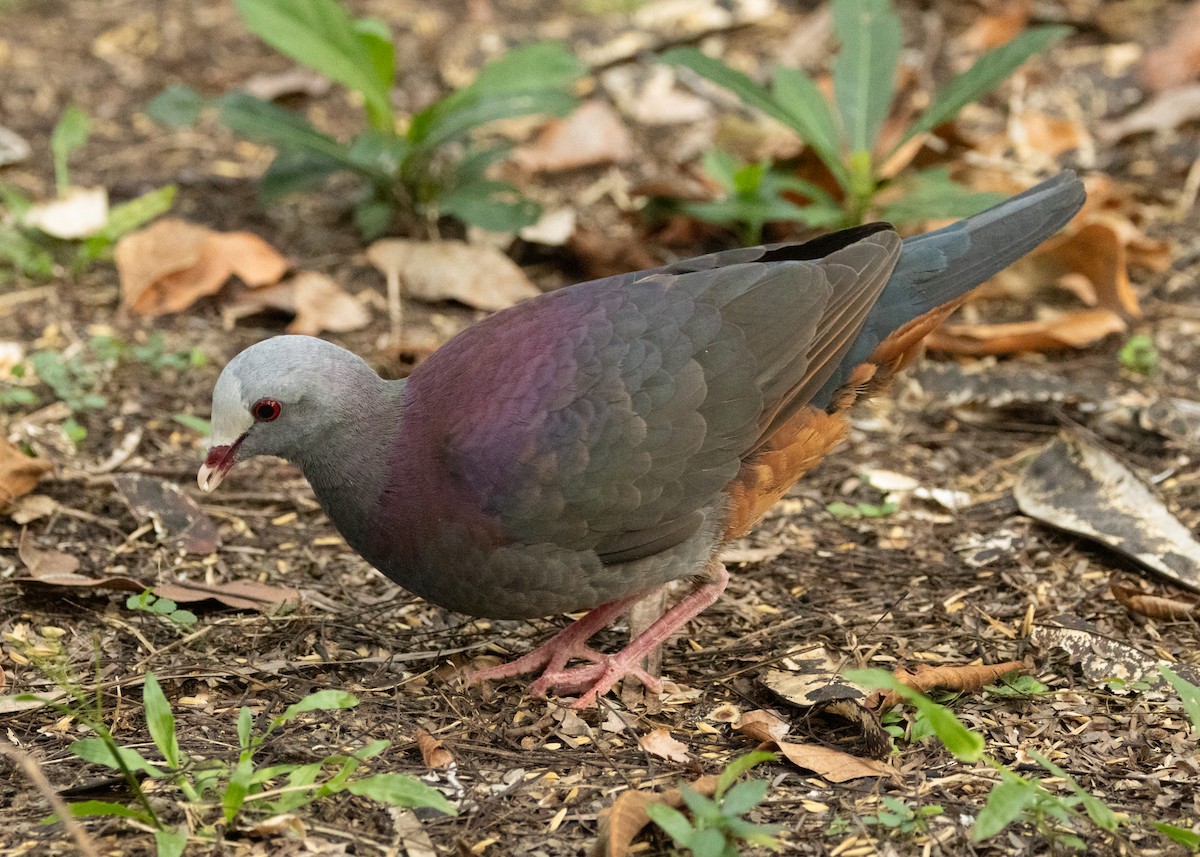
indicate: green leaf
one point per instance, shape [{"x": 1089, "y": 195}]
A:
[
  {"x": 987, "y": 73},
  {"x": 673, "y": 822},
  {"x": 808, "y": 113},
  {"x": 237, "y": 788},
  {"x": 186, "y": 618},
  {"x": 705, "y": 809},
  {"x": 74, "y": 431},
  {"x": 401, "y": 790},
  {"x": 201, "y": 426},
  {"x": 1098, "y": 811},
  {"x": 373, "y": 217},
  {"x": 543, "y": 65},
  {"x": 932, "y": 195},
  {"x": 245, "y": 725},
  {"x": 376, "y": 41},
  {"x": 1188, "y": 693},
  {"x": 750, "y": 92},
  {"x": 171, "y": 843},
  {"x": 492, "y": 205},
  {"x": 322, "y": 700},
  {"x": 1009, "y": 798},
  {"x": 708, "y": 843},
  {"x": 128, "y": 216},
  {"x": 963, "y": 743},
  {"x": 322, "y": 35},
  {"x": 268, "y": 123},
  {"x": 93, "y": 808},
  {"x": 99, "y": 752},
  {"x": 1018, "y": 685},
  {"x": 293, "y": 171},
  {"x": 160, "y": 720},
  {"x": 1185, "y": 837},
  {"x": 1138, "y": 354},
  {"x": 70, "y": 132},
  {"x": 864, "y": 72},
  {"x": 744, "y": 796},
  {"x": 739, "y": 766},
  {"x": 177, "y": 106}
]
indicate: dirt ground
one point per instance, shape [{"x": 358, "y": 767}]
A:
[{"x": 897, "y": 590}]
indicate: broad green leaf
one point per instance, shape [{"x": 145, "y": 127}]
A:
[
  {"x": 378, "y": 153},
  {"x": 492, "y": 205},
  {"x": 1184, "y": 836},
  {"x": 268, "y": 123},
  {"x": 97, "y": 751},
  {"x": 199, "y": 425},
  {"x": 864, "y": 72},
  {"x": 293, "y": 171},
  {"x": 321, "y": 34},
  {"x": 236, "y": 789},
  {"x": 808, "y": 113},
  {"x": 753, "y": 94},
  {"x": 322, "y": 700},
  {"x": 160, "y": 720},
  {"x": 401, "y": 790},
  {"x": 704, "y": 809},
  {"x": 964, "y": 744},
  {"x": 1009, "y": 798},
  {"x": 708, "y": 843},
  {"x": 128, "y": 216},
  {"x": 171, "y": 843},
  {"x": 376, "y": 41},
  {"x": 245, "y": 725},
  {"x": 739, "y": 766},
  {"x": 721, "y": 167},
  {"x": 373, "y": 217},
  {"x": 93, "y": 808},
  {"x": 673, "y": 822},
  {"x": 987, "y": 73},
  {"x": 744, "y": 796},
  {"x": 932, "y": 195},
  {"x": 543, "y": 65},
  {"x": 1188, "y": 693},
  {"x": 70, "y": 132},
  {"x": 177, "y": 106}
]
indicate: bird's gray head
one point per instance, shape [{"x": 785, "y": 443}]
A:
[{"x": 278, "y": 397}]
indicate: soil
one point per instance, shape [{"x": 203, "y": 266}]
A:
[{"x": 529, "y": 776}]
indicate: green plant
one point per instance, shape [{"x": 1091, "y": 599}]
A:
[
  {"x": 1138, "y": 354},
  {"x": 901, "y": 817},
  {"x": 231, "y": 787},
  {"x": 429, "y": 169},
  {"x": 716, "y": 826},
  {"x": 846, "y": 135},
  {"x": 28, "y": 249},
  {"x": 165, "y": 607}
]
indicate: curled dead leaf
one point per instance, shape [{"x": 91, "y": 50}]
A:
[
  {"x": 963, "y": 678},
  {"x": 318, "y": 303},
  {"x": 624, "y": 820},
  {"x": 19, "y": 473},
  {"x": 833, "y": 765},
  {"x": 79, "y": 213},
  {"x": 592, "y": 135},
  {"x": 661, "y": 743},
  {"x": 238, "y": 594},
  {"x": 1069, "y": 330},
  {"x": 1154, "y": 606},
  {"x": 170, "y": 264},
  {"x": 433, "y": 751}
]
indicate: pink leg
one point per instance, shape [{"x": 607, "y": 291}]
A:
[{"x": 604, "y": 671}]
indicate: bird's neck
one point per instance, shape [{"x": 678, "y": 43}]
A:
[{"x": 347, "y": 467}]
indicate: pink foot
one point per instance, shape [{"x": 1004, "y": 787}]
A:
[{"x": 604, "y": 671}]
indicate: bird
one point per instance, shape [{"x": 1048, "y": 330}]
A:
[{"x": 585, "y": 447}]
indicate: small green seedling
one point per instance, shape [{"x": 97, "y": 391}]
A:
[
  {"x": 150, "y": 603},
  {"x": 901, "y": 817},
  {"x": 716, "y": 827},
  {"x": 846, "y": 135},
  {"x": 1139, "y": 355},
  {"x": 862, "y": 510},
  {"x": 430, "y": 169},
  {"x": 25, "y": 245}
]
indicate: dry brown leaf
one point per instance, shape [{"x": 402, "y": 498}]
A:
[
  {"x": 624, "y": 820},
  {"x": 31, "y": 507},
  {"x": 291, "y": 826},
  {"x": 1000, "y": 26},
  {"x": 318, "y": 303},
  {"x": 1165, "y": 112},
  {"x": 1178, "y": 61},
  {"x": 239, "y": 594},
  {"x": 660, "y": 743},
  {"x": 177, "y": 518},
  {"x": 19, "y": 473},
  {"x": 833, "y": 765},
  {"x": 591, "y": 136},
  {"x": 1073, "y": 330},
  {"x": 476, "y": 275},
  {"x": 963, "y": 678},
  {"x": 45, "y": 565},
  {"x": 433, "y": 751},
  {"x": 1154, "y": 606},
  {"x": 1047, "y": 135},
  {"x": 170, "y": 264}
]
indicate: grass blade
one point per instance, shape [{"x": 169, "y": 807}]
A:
[{"x": 160, "y": 720}]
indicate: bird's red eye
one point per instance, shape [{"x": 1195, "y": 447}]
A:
[{"x": 265, "y": 410}]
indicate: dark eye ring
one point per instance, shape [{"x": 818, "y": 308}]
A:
[{"x": 265, "y": 410}]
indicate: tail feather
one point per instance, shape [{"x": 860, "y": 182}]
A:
[{"x": 940, "y": 267}]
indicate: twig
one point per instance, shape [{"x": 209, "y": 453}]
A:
[{"x": 34, "y": 773}]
